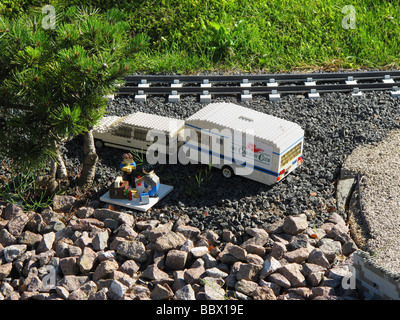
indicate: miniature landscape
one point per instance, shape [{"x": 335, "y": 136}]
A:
[
  {"x": 240, "y": 247},
  {"x": 192, "y": 233}
]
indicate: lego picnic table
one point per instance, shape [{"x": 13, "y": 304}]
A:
[{"x": 136, "y": 203}]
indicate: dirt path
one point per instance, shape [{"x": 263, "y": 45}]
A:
[{"x": 379, "y": 166}]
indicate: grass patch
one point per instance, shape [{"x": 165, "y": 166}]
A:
[
  {"x": 22, "y": 190},
  {"x": 191, "y": 36}
]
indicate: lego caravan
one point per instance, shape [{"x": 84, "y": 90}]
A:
[{"x": 243, "y": 141}]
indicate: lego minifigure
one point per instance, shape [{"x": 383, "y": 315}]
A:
[
  {"x": 151, "y": 182},
  {"x": 128, "y": 167}
]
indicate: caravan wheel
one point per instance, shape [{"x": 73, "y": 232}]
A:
[{"x": 227, "y": 172}]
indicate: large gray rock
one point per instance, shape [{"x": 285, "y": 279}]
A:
[
  {"x": 64, "y": 203},
  {"x": 246, "y": 286},
  {"x": 14, "y": 251},
  {"x": 188, "y": 231},
  {"x": 99, "y": 295},
  {"x": 270, "y": 266},
  {"x": 86, "y": 260},
  {"x": 62, "y": 292},
  {"x": 117, "y": 290},
  {"x": 146, "y": 224},
  {"x": 216, "y": 273},
  {"x": 134, "y": 250},
  {"x": 176, "y": 259},
  {"x": 30, "y": 239},
  {"x": 213, "y": 289},
  {"x": 193, "y": 275},
  {"x": 160, "y": 230},
  {"x": 123, "y": 278},
  {"x": 5, "y": 270},
  {"x": 127, "y": 232},
  {"x": 209, "y": 261},
  {"x": 69, "y": 266},
  {"x": 36, "y": 223},
  {"x": 295, "y": 224},
  {"x": 74, "y": 251},
  {"x": 105, "y": 269},
  {"x": 11, "y": 210},
  {"x": 162, "y": 292},
  {"x": 238, "y": 252},
  {"x": 330, "y": 248},
  {"x": 264, "y": 293},
  {"x": 121, "y": 217},
  {"x": 185, "y": 293},
  {"x": 315, "y": 278},
  {"x": 152, "y": 272},
  {"x": 169, "y": 241},
  {"x": 6, "y": 290},
  {"x": 72, "y": 283},
  {"x": 292, "y": 272},
  {"x": 130, "y": 267},
  {"x": 100, "y": 240},
  {"x": 279, "y": 279},
  {"x": 249, "y": 271},
  {"x": 322, "y": 291},
  {"x": 6, "y": 238},
  {"x": 316, "y": 256},
  {"x": 278, "y": 249},
  {"x": 84, "y": 212},
  {"x": 86, "y": 224},
  {"x": 17, "y": 224},
  {"x": 297, "y": 256},
  {"x": 46, "y": 242},
  {"x": 343, "y": 191},
  {"x": 198, "y": 252}
]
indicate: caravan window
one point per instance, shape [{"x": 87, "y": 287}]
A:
[{"x": 291, "y": 154}]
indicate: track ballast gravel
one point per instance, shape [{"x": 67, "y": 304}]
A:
[{"x": 334, "y": 125}]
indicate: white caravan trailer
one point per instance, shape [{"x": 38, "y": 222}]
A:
[
  {"x": 131, "y": 132},
  {"x": 270, "y": 150}
]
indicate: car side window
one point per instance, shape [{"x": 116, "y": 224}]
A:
[
  {"x": 140, "y": 134},
  {"x": 123, "y": 131}
]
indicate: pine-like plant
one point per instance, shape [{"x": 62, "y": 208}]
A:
[{"x": 54, "y": 83}]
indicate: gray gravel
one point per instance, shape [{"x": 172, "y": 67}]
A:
[
  {"x": 334, "y": 125},
  {"x": 380, "y": 188}
]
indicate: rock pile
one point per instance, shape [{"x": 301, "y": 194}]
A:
[{"x": 102, "y": 254}]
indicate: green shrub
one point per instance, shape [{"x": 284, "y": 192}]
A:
[{"x": 10, "y": 8}]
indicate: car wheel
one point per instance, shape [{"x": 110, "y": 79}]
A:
[{"x": 98, "y": 143}]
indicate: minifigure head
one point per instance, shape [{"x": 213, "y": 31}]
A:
[{"x": 127, "y": 158}]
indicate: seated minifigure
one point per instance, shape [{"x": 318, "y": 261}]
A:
[
  {"x": 151, "y": 182},
  {"x": 128, "y": 167}
]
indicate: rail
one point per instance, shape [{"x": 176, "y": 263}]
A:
[{"x": 273, "y": 84}]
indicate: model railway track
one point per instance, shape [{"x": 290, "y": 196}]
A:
[{"x": 272, "y": 84}]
